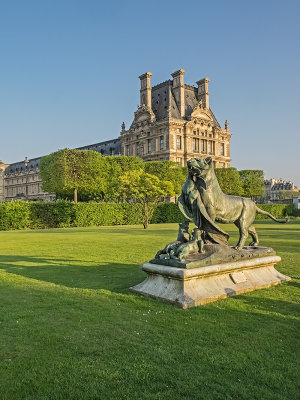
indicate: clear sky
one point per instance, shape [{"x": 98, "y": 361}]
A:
[{"x": 69, "y": 72}]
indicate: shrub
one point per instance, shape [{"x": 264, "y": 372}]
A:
[
  {"x": 99, "y": 214},
  {"x": 33, "y": 215},
  {"x": 15, "y": 215},
  {"x": 63, "y": 214},
  {"x": 277, "y": 210},
  {"x": 167, "y": 212}
]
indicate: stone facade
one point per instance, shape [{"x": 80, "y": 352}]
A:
[
  {"x": 175, "y": 122},
  {"x": 2, "y": 180},
  {"x": 273, "y": 187}
]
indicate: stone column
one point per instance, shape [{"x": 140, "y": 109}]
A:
[
  {"x": 145, "y": 91},
  {"x": 203, "y": 93},
  {"x": 178, "y": 90}
]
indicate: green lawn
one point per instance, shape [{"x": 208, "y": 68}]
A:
[{"x": 71, "y": 329}]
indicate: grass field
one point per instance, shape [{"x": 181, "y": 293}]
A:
[{"x": 71, "y": 329}]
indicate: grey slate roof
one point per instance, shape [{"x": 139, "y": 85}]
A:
[{"x": 163, "y": 100}]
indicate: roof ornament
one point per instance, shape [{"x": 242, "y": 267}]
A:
[
  {"x": 226, "y": 125},
  {"x": 123, "y": 126}
]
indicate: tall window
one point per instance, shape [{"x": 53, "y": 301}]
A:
[
  {"x": 179, "y": 160},
  {"x": 178, "y": 142},
  {"x": 127, "y": 150},
  {"x": 202, "y": 146},
  {"x": 161, "y": 142},
  {"x": 138, "y": 149},
  {"x": 222, "y": 149},
  {"x": 209, "y": 147},
  {"x": 149, "y": 145},
  {"x": 195, "y": 145}
]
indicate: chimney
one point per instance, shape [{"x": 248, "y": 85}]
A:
[
  {"x": 178, "y": 90},
  {"x": 203, "y": 92},
  {"x": 145, "y": 91}
]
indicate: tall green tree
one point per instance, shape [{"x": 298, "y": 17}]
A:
[
  {"x": 73, "y": 171},
  {"x": 252, "y": 182},
  {"x": 229, "y": 181},
  {"x": 115, "y": 167},
  {"x": 146, "y": 189},
  {"x": 168, "y": 171}
]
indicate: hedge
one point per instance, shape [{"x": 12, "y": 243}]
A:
[
  {"x": 169, "y": 212},
  {"x": 63, "y": 214},
  {"x": 59, "y": 214},
  {"x": 277, "y": 210}
]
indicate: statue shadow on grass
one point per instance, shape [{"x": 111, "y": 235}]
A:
[{"x": 70, "y": 273}]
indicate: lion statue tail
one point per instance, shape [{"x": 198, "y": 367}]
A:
[{"x": 259, "y": 211}]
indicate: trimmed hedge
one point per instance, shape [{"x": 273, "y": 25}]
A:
[
  {"x": 277, "y": 210},
  {"x": 63, "y": 214},
  {"x": 15, "y": 215},
  {"x": 167, "y": 212}
]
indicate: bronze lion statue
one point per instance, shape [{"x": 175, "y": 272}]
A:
[{"x": 203, "y": 202}]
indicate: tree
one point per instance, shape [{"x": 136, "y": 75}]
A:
[
  {"x": 168, "y": 171},
  {"x": 146, "y": 189},
  {"x": 73, "y": 171},
  {"x": 252, "y": 182},
  {"x": 286, "y": 194},
  {"x": 229, "y": 181},
  {"x": 115, "y": 167}
]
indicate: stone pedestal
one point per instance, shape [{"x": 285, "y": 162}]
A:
[{"x": 197, "y": 286}]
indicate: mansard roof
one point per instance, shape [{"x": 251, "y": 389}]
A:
[{"x": 164, "y": 102}]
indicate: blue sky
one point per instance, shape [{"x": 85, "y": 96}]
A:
[{"x": 69, "y": 72}]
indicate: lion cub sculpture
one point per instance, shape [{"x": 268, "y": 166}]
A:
[{"x": 203, "y": 202}]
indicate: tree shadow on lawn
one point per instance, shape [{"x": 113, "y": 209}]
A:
[
  {"x": 118, "y": 278},
  {"x": 109, "y": 276}
]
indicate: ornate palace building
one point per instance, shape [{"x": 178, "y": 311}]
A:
[{"x": 173, "y": 122}]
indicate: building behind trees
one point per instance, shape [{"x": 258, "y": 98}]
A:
[{"x": 173, "y": 122}]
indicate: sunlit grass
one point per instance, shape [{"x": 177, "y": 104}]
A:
[{"x": 71, "y": 329}]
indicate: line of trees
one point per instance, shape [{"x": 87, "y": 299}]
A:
[
  {"x": 247, "y": 183},
  {"x": 86, "y": 175}
]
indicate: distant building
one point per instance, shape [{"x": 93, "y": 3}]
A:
[
  {"x": 275, "y": 187},
  {"x": 22, "y": 180},
  {"x": 175, "y": 122},
  {"x": 296, "y": 202}
]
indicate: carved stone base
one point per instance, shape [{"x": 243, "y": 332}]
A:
[{"x": 197, "y": 286}]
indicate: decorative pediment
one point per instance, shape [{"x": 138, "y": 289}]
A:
[
  {"x": 143, "y": 114},
  {"x": 200, "y": 112}
]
